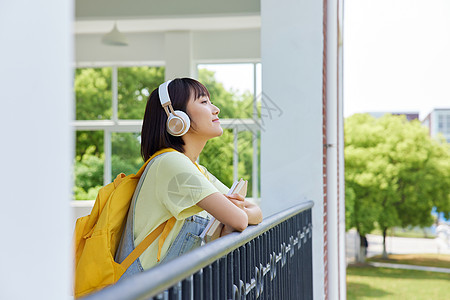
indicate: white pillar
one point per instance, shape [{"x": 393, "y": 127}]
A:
[
  {"x": 291, "y": 142},
  {"x": 178, "y": 55},
  {"x": 36, "y": 148},
  {"x": 341, "y": 183},
  {"x": 332, "y": 150}
]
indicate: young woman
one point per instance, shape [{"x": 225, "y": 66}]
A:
[{"x": 175, "y": 187}]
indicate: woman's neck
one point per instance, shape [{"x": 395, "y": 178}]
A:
[{"x": 193, "y": 147}]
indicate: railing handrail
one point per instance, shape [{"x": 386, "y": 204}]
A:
[{"x": 161, "y": 277}]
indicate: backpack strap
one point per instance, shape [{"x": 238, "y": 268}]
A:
[{"x": 164, "y": 234}]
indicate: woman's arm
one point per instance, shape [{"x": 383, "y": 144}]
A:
[
  {"x": 225, "y": 211},
  {"x": 252, "y": 210}
]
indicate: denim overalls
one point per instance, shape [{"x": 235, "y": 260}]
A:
[{"x": 186, "y": 240}]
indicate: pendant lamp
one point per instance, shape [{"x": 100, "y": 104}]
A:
[{"x": 115, "y": 38}]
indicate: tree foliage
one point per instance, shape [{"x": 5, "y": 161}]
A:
[{"x": 394, "y": 173}]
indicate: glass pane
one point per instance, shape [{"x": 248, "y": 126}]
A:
[
  {"x": 134, "y": 86},
  {"x": 231, "y": 88},
  {"x": 125, "y": 153},
  {"x": 245, "y": 165},
  {"x": 88, "y": 164},
  {"x": 217, "y": 157},
  {"x": 93, "y": 94}
]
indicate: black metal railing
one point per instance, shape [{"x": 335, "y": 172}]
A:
[{"x": 272, "y": 260}]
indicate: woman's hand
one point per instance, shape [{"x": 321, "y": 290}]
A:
[
  {"x": 237, "y": 199},
  {"x": 225, "y": 211},
  {"x": 252, "y": 210}
]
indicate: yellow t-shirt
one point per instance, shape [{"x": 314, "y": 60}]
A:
[{"x": 173, "y": 186}]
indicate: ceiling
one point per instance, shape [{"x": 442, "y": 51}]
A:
[{"x": 98, "y": 16}]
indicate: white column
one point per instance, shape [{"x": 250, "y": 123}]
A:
[
  {"x": 341, "y": 183},
  {"x": 36, "y": 148},
  {"x": 332, "y": 158},
  {"x": 178, "y": 55},
  {"x": 291, "y": 142}
]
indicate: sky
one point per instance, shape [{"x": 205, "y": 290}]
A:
[
  {"x": 396, "y": 57},
  {"x": 234, "y": 76}
]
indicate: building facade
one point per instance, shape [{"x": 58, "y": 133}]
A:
[{"x": 438, "y": 122}]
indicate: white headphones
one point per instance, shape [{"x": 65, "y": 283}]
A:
[{"x": 178, "y": 121}]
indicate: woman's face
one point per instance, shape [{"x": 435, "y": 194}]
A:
[{"x": 204, "y": 118}]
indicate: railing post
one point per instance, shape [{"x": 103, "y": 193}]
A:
[
  {"x": 223, "y": 278},
  {"x": 229, "y": 290},
  {"x": 207, "y": 282},
  {"x": 198, "y": 285}
]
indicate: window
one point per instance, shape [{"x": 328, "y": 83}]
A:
[
  {"x": 235, "y": 89},
  {"x": 110, "y": 103}
]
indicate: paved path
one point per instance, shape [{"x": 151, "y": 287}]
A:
[
  {"x": 394, "y": 245},
  {"x": 400, "y": 245},
  {"x": 410, "y": 267}
]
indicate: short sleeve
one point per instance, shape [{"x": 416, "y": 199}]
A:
[
  {"x": 216, "y": 182},
  {"x": 181, "y": 185}
]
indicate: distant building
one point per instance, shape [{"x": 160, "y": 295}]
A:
[
  {"x": 438, "y": 121},
  {"x": 409, "y": 115}
]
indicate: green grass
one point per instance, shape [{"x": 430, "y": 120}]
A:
[
  {"x": 429, "y": 260},
  {"x": 365, "y": 282}
]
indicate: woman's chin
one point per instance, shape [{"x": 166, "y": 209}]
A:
[{"x": 217, "y": 133}]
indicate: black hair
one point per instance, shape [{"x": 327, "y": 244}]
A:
[{"x": 154, "y": 135}]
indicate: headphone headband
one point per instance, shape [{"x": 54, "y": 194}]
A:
[{"x": 163, "y": 92}]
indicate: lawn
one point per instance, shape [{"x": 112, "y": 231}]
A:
[{"x": 365, "y": 282}]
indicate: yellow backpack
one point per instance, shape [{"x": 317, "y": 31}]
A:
[{"x": 97, "y": 235}]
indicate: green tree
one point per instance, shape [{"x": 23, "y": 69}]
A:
[
  {"x": 396, "y": 172},
  {"x": 134, "y": 86}
]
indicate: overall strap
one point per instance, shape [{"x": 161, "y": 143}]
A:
[
  {"x": 166, "y": 226},
  {"x": 149, "y": 239}
]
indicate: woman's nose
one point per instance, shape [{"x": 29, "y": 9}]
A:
[{"x": 216, "y": 110}]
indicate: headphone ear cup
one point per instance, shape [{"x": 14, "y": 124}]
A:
[
  {"x": 187, "y": 121},
  {"x": 178, "y": 123}
]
